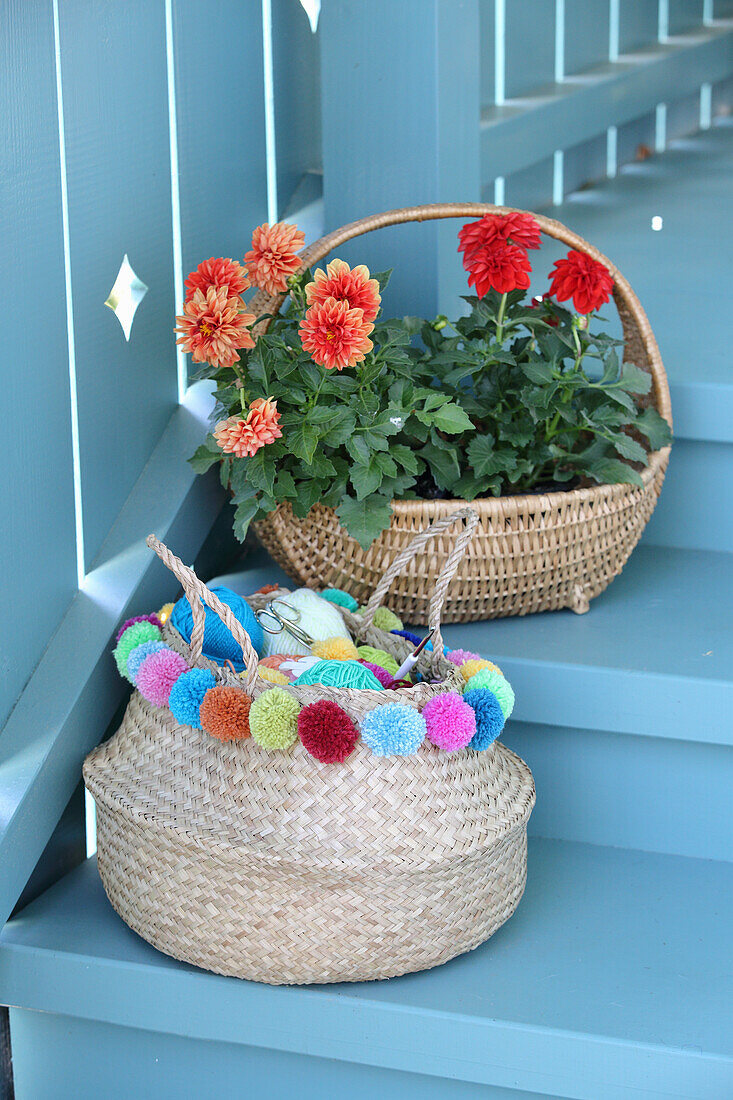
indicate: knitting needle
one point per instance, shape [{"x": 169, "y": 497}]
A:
[{"x": 409, "y": 662}]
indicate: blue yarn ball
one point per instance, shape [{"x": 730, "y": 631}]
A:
[
  {"x": 138, "y": 655},
  {"x": 340, "y": 598},
  {"x": 489, "y": 717},
  {"x": 187, "y": 695},
  {"x": 219, "y": 642},
  {"x": 393, "y": 730},
  {"x": 414, "y": 638}
]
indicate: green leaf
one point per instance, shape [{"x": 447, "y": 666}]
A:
[
  {"x": 285, "y": 487},
  {"x": 443, "y": 465},
  {"x": 365, "y": 479},
  {"x": 203, "y": 457},
  {"x": 341, "y": 426},
  {"x": 612, "y": 471},
  {"x": 539, "y": 372},
  {"x": 302, "y": 441},
  {"x": 357, "y": 447},
  {"x": 628, "y": 447},
  {"x": 634, "y": 379},
  {"x": 654, "y": 427},
  {"x": 406, "y": 458},
  {"x": 451, "y": 419},
  {"x": 383, "y": 278},
  {"x": 261, "y": 471},
  {"x": 365, "y": 519},
  {"x": 243, "y": 516},
  {"x": 481, "y": 454}
]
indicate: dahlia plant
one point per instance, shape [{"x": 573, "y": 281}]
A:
[{"x": 335, "y": 405}]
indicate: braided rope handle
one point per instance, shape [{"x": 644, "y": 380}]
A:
[
  {"x": 437, "y": 599},
  {"x": 634, "y": 320},
  {"x": 198, "y": 594}
]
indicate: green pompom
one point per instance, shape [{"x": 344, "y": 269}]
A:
[
  {"x": 273, "y": 719},
  {"x": 134, "y": 636},
  {"x": 378, "y": 657},
  {"x": 338, "y": 596},
  {"x": 494, "y": 681},
  {"x": 384, "y": 619}
]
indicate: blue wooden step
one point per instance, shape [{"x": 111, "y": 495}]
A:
[
  {"x": 681, "y": 275},
  {"x": 612, "y": 979}
]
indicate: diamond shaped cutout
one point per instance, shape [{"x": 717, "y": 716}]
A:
[{"x": 126, "y": 295}]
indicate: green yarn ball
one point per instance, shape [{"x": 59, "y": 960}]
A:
[
  {"x": 378, "y": 657},
  {"x": 343, "y": 674},
  {"x": 273, "y": 719},
  {"x": 384, "y": 619},
  {"x": 338, "y": 596},
  {"x": 134, "y": 636},
  {"x": 494, "y": 681}
]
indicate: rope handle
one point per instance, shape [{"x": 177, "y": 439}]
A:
[
  {"x": 198, "y": 594},
  {"x": 437, "y": 600},
  {"x": 633, "y": 318}
]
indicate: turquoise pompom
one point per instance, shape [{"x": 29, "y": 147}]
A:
[
  {"x": 138, "y": 655},
  {"x": 489, "y": 717},
  {"x": 346, "y": 674},
  {"x": 187, "y": 695},
  {"x": 338, "y": 596},
  {"x": 393, "y": 730},
  {"x": 219, "y": 642}
]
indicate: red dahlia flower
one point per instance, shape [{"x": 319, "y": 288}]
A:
[
  {"x": 587, "y": 281},
  {"x": 501, "y": 267},
  {"x": 353, "y": 287},
  {"x": 335, "y": 335},
  {"x": 516, "y": 228},
  {"x": 213, "y": 326},
  {"x": 217, "y": 273}
]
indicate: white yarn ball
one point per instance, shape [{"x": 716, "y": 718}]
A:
[{"x": 318, "y": 617}]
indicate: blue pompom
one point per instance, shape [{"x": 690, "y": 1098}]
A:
[
  {"x": 187, "y": 695},
  {"x": 414, "y": 638},
  {"x": 219, "y": 643},
  {"x": 489, "y": 717},
  {"x": 138, "y": 655},
  {"x": 393, "y": 730}
]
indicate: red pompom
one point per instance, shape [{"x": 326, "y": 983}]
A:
[{"x": 327, "y": 732}]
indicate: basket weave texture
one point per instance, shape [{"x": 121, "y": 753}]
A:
[
  {"x": 530, "y": 552},
  {"x": 282, "y": 869}
]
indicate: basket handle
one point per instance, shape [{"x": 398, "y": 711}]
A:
[
  {"x": 198, "y": 594},
  {"x": 441, "y": 587},
  {"x": 639, "y": 340}
]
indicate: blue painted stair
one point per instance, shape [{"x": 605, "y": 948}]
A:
[{"x": 615, "y": 976}]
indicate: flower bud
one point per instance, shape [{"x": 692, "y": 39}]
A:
[{"x": 440, "y": 322}]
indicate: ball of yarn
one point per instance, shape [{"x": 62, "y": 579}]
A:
[
  {"x": 165, "y": 612},
  {"x": 385, "y": 678},
  {"x": 340, "y": 598},
  {"x": 138, "y": 655},
  {"x": 187, "y": 695},
  {"x": 134, "y": 636},
  {"x": 450, "y": 722},
  {"x": 384, "y": 619},
  {"x": 157, "y": 675},
  {"x": 272, "y": 675},
  {"x": 489, "y": 717},
  {"x": 345, "y": 674},
  {"x": 318, "y": 617},
  {"x": 273, "y": 719},
  {"x": 414, "y": 638},
  {"x": 460, "y": 656},
  {"x": 494, "y": 681},
  {"x": 393, "y": 730},
  {"x": 378, "y": 657},
  {"x": 138, "y": 619},
  {"x": 470, "y": 668},
  {"x": 225, "y": 713},
  {"x": 219, "y": 642},
  {"x": 335, "y": 649},
  {"x": 327, "y": 732}
]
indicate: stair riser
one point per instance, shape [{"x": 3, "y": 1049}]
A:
[
  {"x": 629, "y": 791},
  {"x": 694, "y": 510}
]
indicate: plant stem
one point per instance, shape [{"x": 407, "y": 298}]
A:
[{"x": 500, "y": 319}]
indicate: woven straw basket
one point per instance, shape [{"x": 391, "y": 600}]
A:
[
  {"x": 281, "y": 869},
  {"x": 530, "y": 552}
]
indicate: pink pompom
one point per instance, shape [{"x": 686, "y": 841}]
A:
[
  {"x": 157, "y": 675},
  {"x": 384, "y": 677},
  {"x": 460, "y": 656},
  {"x": 450, "y": 722}
]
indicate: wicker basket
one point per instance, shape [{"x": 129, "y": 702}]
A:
[
  {"x": 275, "y": 867},
  {"x": 531, "y": 552}
]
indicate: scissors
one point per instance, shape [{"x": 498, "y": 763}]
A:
[{"x": 283, "y": 621}]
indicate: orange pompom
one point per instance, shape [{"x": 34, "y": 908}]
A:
[{"x": 224, "y": 713}]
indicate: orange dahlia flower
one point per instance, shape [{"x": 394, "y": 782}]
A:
[
  {"x": 244, "y": 437},
  {"x": 335, "y": 335},
  {"x": 353, "y": 287},
  {"x": 213, "y": 326},
  {"x": 217, "y": 273},
  {"x": 272, "y": 259}
]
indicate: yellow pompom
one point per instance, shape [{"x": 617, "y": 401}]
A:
[
  {"x": 470, "y": 668},
  {"x": 271, "y": 674},
  {"x": 165, "y": 612},
  {"x": 335, "y": 649}
]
